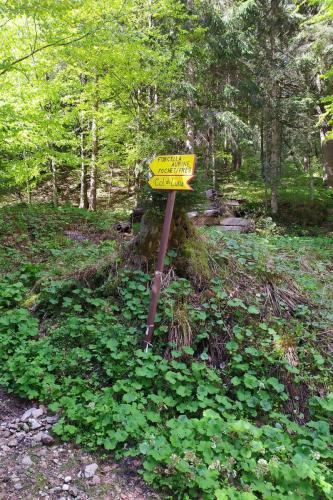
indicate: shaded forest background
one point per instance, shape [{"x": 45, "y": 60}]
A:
[{"x": 92, "y": 90}]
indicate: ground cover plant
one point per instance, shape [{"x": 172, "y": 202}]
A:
[
  {"x": 233, "y": 401},
  {"x": 234, "y": 398}
]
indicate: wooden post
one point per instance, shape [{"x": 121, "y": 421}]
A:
[{"x": 156, "y": 288}]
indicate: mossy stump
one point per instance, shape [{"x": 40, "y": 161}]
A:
[{"x": 191, "y": 260}]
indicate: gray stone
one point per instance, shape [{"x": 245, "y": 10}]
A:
[
  {"x": 237, "y": 224},
  {"x": 213, "y": 212},
  {"x": 26, "y": 461},
  {"x": 52, "y": 419},
  {"x": 34, "y": 424},
  {"x": 65, "y": 487},
  {"x": 37, "y": 438},
  {"x": 26, "y": 415},
  {"x": 18, "y": 486},
  {"x": 68, "y": 479},
  {"x": 192, "y": 215},
  {"x": 46, "y": 438},
  {"x": 90, "y": 470},
  {"x": 13, "y": 442},
  {"x": 37, "y": 412},
  {"x": 74, "y": 492},
  {"x": 20, "y": 436},
  {"x": 95, "y": 480}
]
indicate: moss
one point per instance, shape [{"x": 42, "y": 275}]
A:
[
  {"x": 31, "y": 300},
  {"x": 149, "y": 237}
]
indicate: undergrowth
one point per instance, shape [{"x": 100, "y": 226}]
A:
[{"x": 234, "y": 399}]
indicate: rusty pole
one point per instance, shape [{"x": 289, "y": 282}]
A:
[{"x": 156, "y": 288}]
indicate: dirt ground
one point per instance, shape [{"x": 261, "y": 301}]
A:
[{"x": 34, "y": 465}]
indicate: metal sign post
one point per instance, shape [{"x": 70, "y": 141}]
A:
[{"x": 173, "y": 174}]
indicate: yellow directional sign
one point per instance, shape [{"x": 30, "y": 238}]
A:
[
  {"x": 173, "y": 165},
  {"x": 173, "y": 183}
]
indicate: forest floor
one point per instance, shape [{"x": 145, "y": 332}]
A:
[
  {"x": 29, "y": 467},
  {"x": 33, "y": 465},
  {"x": 65, "y": 302}
]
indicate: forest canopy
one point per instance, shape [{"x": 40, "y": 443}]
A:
[{"x": 91, "y": 91}]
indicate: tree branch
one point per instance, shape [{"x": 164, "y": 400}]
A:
[{"x": 58, "y": 43}]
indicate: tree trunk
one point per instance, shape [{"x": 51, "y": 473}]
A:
[
  {"x": 275, "y": 152},
  {"x": 29, "y": 193},
  {"x": 54, "y": 183},
  {"x": 327, "y": 148},
  {"x": 236, "y": 160},
  {"x": 84, "y": 202},
  {"x": 306, "y": 163},
  {"x": 275, "y": 161},
  {"x": 110, "y": 185},
  {"x": 189, "y": 122},
  {"x": 94, "y": 153}
]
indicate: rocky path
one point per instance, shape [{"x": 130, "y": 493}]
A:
[{"x": 33, "y": 465}]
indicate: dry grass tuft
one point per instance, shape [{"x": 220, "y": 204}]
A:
[
  {"x": 180, "y": 333},
  {"x": 284, "y": 297}
]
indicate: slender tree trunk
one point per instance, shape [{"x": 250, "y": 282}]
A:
[
  {"x": 110, "y": 185},
  {"x": 28, "y": 193},
  {"x": 213, "y": 157},
  {"x": 326, "y": 144},
  {"x": 327, "y": 149},
  {"x": 84, "y": 202},
  {"x": 275, "y": 154},
  {"x": 54, "y": 183},
  {"x": 262, "y": 145},
  {"x": 236, "y": 159},
  {"x": 275, "y": 161},
  {"x": 94, "y": 154},
  {"x": 189, "y": 122}
]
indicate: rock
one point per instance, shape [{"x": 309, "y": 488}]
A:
[
  {"x": 65, "y": 487},
  {"x": 123, "y": 227},
  {"x": 236, "y": 224},
  {"x": 37, "y": 438},
  {"x": 18, "y": 486},
  {"x": 95, "y": 480},
  {"x": 20, "y": 436},
  {"x": 192, "y": 215},
  {"x": 34, "y": 424},
  {"x": 211, "y": 194},
  {"x": 53, "y": 419},
  {"x": 56, "y": 489},
  {"x": 73, "y": 491},
  {"x": 90, "y": 470},
  {"x": 212, "y": 212},
  {"x": 26, "y": 461},
  {"x": 68, "y": 479},
  {"x": 26, "y": 415},
  {"x": 37, "y": 412},
  {"x": 12, "y": 443},
  {"x": 46, "y": 438}
]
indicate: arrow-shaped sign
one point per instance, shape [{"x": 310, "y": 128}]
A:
[
  {"x": 173, "y": 183},
  {"x": 173, "y": 165}
]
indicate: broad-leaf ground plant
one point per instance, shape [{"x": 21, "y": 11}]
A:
[{"x": 234, "y": 400}]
